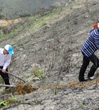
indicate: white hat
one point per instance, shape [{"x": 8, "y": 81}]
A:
[{"x": 9, "y": 48}]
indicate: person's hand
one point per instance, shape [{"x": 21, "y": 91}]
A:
[{"x": 3, "y": 70}]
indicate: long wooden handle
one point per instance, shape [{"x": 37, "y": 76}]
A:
[
  {"x": 4, "y": 85},
  {"x": 13, "y": 75}
]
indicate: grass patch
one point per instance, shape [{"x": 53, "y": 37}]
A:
[
  {"x": 34, "y": 21},
  {"x": 9, "y": 101},
  {"x": 39, "y": 20},
  {"x": 38, "y": 72}
]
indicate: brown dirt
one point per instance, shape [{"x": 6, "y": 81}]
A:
[
  {"x": 22, "y": 88},
  {"x": 5, "y": 22},
  {"x": 82, "y": 84},
  {"x": 71, "y": 84},
  {"x": 52, "y": 86}
]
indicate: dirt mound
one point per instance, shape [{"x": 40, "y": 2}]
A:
[
  {"x": 22, "y": 88},
  {"x": 82, "y": 84}
]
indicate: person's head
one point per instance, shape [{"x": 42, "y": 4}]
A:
[
  {"x": 95, "y": 26},
  {"x": 8, "y": 49}
]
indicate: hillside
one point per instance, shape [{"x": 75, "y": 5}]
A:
[
  {"x": 12, "y": 9},
  {"x": 47, "y": 56}
]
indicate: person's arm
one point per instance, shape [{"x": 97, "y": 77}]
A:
[
  {"x": 6, "y": 64},
  {"x": 90, "y": 30},
  {"x": 95, "y": 35}
]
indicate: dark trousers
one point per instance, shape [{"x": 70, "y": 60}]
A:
[
  {"x": 93, "y": 58},
  {"x": 5, "y": 76}
]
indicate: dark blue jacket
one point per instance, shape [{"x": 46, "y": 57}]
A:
[{"x": 91, "y": 44}]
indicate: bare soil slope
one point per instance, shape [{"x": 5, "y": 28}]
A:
[{"x": 49, "y": 58}]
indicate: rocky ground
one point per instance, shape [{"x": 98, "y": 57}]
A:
[{"x": 49, "y": 59}]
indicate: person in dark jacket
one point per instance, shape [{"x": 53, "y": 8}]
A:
[
  {"x": 90, "y": 46},
  {"x": 91, "y": 29},
  {"x": 5, "y": 59}
]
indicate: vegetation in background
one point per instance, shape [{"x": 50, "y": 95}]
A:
[
  {"x": 30, "y": 22},
  {"x": 12, "y": 9}
]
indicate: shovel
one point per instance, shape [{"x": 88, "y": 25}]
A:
[
  {"x": 4, "y": 85},
  {"x": 14, "y": 76},
  {"x": 11, "y": 86}
]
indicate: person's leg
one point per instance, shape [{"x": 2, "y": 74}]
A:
[
  {"x": 5, "y": 77},
  {"x": 83, "y": 68},
  {"x": 95, "y": 65}
]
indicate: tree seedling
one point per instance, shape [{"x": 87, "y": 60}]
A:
[{"x": 38, "y": 72}]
